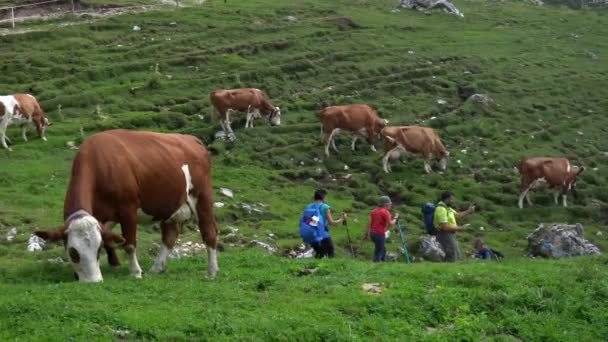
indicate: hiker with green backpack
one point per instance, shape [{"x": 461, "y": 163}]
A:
[{"x": 441, "y": 220}]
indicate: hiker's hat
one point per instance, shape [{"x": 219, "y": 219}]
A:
[{"x": 384, "y": 200}]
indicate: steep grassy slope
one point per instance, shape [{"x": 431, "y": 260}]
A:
[{"x": 545, "y": 68}]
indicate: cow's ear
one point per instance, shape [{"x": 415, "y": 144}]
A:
[
  {"x": 112, "y": 240},
  {"x": 51, "y": 235}
]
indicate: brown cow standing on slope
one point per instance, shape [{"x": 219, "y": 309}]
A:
[
  {"x": 359, "y": 119},
  {"x": 400, "y": 140},
  {"x": 21, "y": 110},
  {"x": 126, "y": 177},
  {"x": 557, "y": 173},
  {"x": 249, "y": 100}
]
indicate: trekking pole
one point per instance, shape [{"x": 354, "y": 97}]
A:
[
  {"x": 405, "y": 252},
  {"x": 350, "y": 243}
]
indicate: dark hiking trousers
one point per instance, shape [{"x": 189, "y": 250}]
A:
[
  {"x": 380, "y": 247},
  {"x": 323, "y": 248},
  {"x": 450, "y": 245}
]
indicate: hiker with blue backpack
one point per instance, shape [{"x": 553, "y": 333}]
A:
[
  {"x": 314, "y": 225},
  {"x": 441, "y": 220}
]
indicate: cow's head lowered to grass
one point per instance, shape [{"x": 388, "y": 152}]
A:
[
  {"x": 83, "y": 238},
  {"x": 274, "y": 117}
]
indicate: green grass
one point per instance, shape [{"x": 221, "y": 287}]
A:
[{"x": 533, "y": 61}]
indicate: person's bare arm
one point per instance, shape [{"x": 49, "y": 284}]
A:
[
  {"x": 465, "y": 213},
  {"x": 331, "y": 220},
  {"x": 394, "y": 220}
]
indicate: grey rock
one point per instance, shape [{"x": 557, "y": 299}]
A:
[
  {"x": 392, "y": 256},
  {"x": 481, "y": 99},
  {"x": 34, "y": 243},
  {"x": 291, "y": 18},
  {"x": 446, "y": 5},
  {"x": 227, "y": 192},
  {"x": 559, "y": 240},
  {"x": 10, "y": 235},
  {"x": 431, "y": 249},
  {"x": 269, "y": 248}
]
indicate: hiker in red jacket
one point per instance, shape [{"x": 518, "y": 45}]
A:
[{"x": 379, "y": 219}]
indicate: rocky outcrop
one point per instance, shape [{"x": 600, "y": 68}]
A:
[
  {"x": 559, "y": 240},
  {"x": 431, "y": 249},
  {"x": 446, "y": 5}
]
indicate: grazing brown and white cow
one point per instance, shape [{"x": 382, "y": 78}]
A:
[
  {"x": 400, "y": 140},
  {"x": 21, "y": 110},
  {"x": 248, "y": 100},
  {"x": 359, "y": 119},
  {"x": 129, "y": 177},
  {"x": 556, "y": 173}
]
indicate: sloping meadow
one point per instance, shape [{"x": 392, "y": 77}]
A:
[{"x": 543, "y": 67}]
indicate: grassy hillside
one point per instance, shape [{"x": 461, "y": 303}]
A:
[{"x": 545, "y": 68}]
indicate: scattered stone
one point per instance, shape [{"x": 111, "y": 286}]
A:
[
  {"x": 227, "y": 192},
  {"x": 433, "y": 117},
  {"x": 392, "y": 256},
  {"x": 168, "y": 76},
  {"x": 463, "y": 151},
  {"x": 121, "y": 332},
  {"x": 306, "y": 254},
  {"x": 10, "y": 235},
  {"x": 34, "y": 243},
  {"x": 291, "y": 19},
  {"x": 537, "y": 2},
  {"x": 481, "y": 99},
  {"x": 173, "y": 23},
  {"x": 411, "y": 52},
  {"x": 431, "y": 249},
  {"x": 442, "y": 102},
  {"x": 580, "y": 133},
  {"x": 482, "y": 229},
  {"x": 595, "y": 204},
  {"x": 599, "y": 233},
  {"x": 57, "y": 260},
  {"x": 348, "y": 176},
  {"x": 71, "y": 145},
  {"x": 346, "y": 167},
  {"x": 270, "y": 249},
  {"x": 200, "y": 116},
  {"x": 307, "y": 271},
  {"x": 372, "y": 288},
  {"x": 446, "y": 5},
  {"x": 187, "y": 249},
  {"x": 591, "y": 55},
  {"x": 219, "y": 204},
  {"x": 301, "y": 163},
  {"x": 136, "y": 28},
  {"x": 560, "y": 240}
]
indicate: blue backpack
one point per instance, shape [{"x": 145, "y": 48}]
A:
[
  {"x": 428, "y": 214},
  {"x": 308, "y": 233}
]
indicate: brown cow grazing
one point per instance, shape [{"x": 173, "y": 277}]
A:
[
  {"x": 556, "y": 173},
  {"x": 248, "y": 100},
  {"x": 23, "y": 110},
  {"x": 359, "y": 119},
  {"x": 400, "y": 140},
  {"x": 126, "y": 177}
]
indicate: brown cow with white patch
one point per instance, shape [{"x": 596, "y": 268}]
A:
[
  {"x": 129, "y": 177},
  {"x": 400, "y": 140},
  {"x": 359, "y": 119},
  {"x": 248, "y": 100},
  {"x": 21, "y": 110},
  {"x": 557, "y": 173}
]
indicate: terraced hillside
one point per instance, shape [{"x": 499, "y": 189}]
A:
[{"x": 544, "y": 67}]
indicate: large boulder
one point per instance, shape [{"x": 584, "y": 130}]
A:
[
  {"x": 559, "y": 240},
  {"x": 446, "y": 5},
  {"x": 431, "y": 249}
]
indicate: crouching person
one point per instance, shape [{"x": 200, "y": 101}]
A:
[
  {"x": 314, "y": 225},
  {"x": 379, "y": 219},
  {"x": 484, "y": 252}
]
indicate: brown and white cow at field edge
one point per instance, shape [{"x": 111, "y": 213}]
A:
[
  {"x": 21, "y": 110},
  {"x": 248, "y": 100},
  {"x": 129, "y": 177},
  {"x": 556, "y": 173},
  {"x": 359, "y": 119},
  {"x": 400, "y": 140}
]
